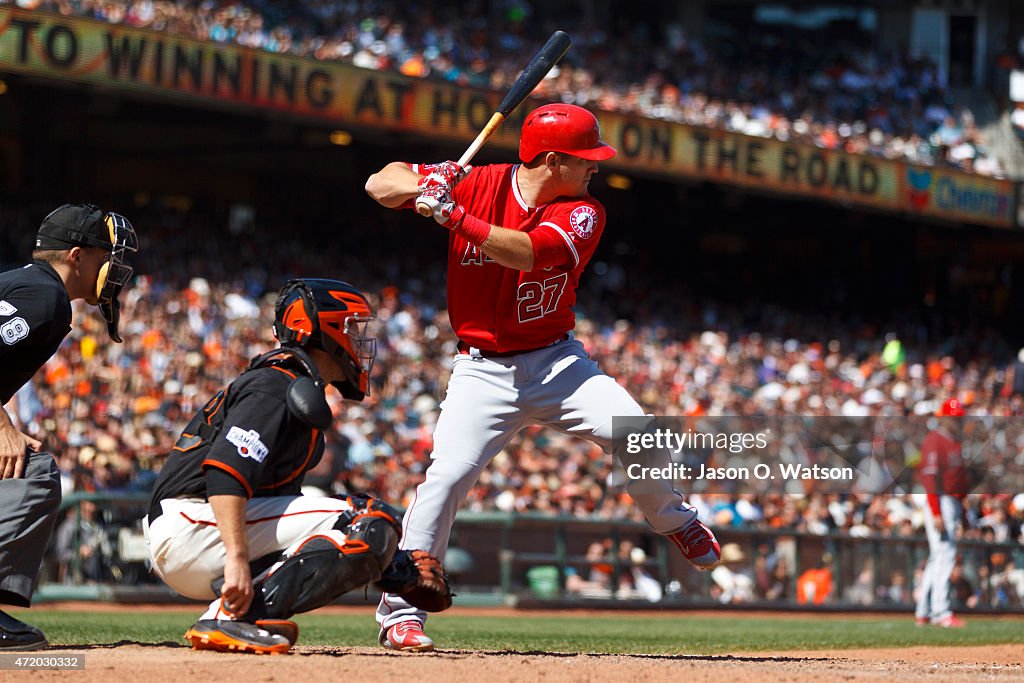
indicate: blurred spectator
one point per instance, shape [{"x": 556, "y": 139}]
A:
[
  {"x": 771, "y": 577},
  {"x": 1017, "y": 119},
  {"x": 814, "y": 586},
  {"x": 961, "y": 591},
  {"x": 732, "y": 580},
  {"x": 636, "y": 581},
  {"x": 1007, "y": 581},
  {"x": 862, "y": 590},
  {"x": 897, "y": 592},
  {"x": 598, "y": 583},
  {"x": 83, "y": 549}
]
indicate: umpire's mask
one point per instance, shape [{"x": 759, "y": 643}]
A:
[{"x": 87, "y": 225}]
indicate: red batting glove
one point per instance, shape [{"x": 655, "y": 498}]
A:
[
  {"x": 454, "y": 217},
  {"x": 446, "y": 174},
  {"x": 442, "y": 206}
]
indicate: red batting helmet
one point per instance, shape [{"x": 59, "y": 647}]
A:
[
  {"x": 952, "y": 408},
  {"x": 563, "y": 128}
]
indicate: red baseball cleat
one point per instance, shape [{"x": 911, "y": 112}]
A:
[
  {"x": 922, "y": 621},
  {"x": 407, "y": 636},
  {"x": 698, "y": 545},
  {"x": 952, "y": 621}
]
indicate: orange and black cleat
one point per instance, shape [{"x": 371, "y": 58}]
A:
[
  {"x": 280, "y": 627},
  {"x": 224, "y": 635}
]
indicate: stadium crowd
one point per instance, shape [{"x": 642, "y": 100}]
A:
[
  {"x": 835, "y": 94},
  {"x": 112, "y": 412}
]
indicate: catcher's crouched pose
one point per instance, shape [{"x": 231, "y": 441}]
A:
[{"x": 226, "y": 520}]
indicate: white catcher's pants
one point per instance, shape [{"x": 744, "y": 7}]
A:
[
  {"x": 489, "y": 400},
  {"x": 933, "y": 600},
  {"x": 187, "y": 552}
]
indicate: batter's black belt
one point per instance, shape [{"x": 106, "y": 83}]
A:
[{"x": 465, "y": 348}]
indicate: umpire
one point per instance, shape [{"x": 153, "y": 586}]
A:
[{"x": 79, "y": 253}]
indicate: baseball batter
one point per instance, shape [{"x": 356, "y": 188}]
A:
[
  {"x": 520, "y": 237},
  {"x": 945, "y": 482},
  {"x": 227, "y": 521}
]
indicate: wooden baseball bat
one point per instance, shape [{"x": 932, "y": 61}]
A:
[{"x": 556, "y": 47}]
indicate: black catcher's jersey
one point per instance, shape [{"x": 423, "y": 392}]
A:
[
  {"x": 35, "y": 316},
  {"x": 243, "y": 442}
]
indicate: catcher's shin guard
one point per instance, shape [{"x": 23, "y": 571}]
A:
[{"x": 321, "y": 570}]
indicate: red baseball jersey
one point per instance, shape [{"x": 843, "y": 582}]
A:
[
  {"x": 501, "y": 309},
  {"x": 942, "y": 469}
]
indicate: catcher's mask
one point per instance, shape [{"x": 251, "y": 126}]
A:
[
  {"x": 332, "y": 316},
  {"x": 74, "y": 225}
]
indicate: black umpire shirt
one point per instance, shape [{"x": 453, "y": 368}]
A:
[
  {"x": 35, "y": 316},
  {"x": 243, "y": 442}
]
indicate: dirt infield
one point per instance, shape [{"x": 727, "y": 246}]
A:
[
  {"x": 175, "y": 663},
  {"x": 171, "y": 663}
]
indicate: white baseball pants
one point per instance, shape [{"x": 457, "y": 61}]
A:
[
  {"x": 933, "y": 600},
  {"x": 489, "y": 400},
  {"x": 185, "y": 546}
]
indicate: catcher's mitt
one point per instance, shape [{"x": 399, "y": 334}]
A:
[{"x": 419, "y": 578}]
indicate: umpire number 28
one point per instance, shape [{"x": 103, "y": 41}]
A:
[{"x": 538, "y": 299}]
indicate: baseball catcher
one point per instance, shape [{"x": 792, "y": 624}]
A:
[{"x": 226, "y": 519}]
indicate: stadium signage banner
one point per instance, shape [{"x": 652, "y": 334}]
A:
[
  {"x": 136, "y": 59},
  {"x": 741, "y": 159},
  {"x": 145, "y": 61},
  {"x": 777, "y": 167}
]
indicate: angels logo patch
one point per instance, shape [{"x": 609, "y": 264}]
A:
[{"x": 583, "y": 220}]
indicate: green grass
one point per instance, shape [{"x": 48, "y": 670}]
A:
[{"x": 680, "y": 634}]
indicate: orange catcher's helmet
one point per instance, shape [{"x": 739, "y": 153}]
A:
[
  {"x": 332, "y": 316},
  {"x": 951, "y": 408},
  {"x": 563, "y": 128}
]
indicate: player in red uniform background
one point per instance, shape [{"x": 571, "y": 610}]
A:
[
  {"x": 521, "y": 235},
  {"x": 945, "y": 480}
]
